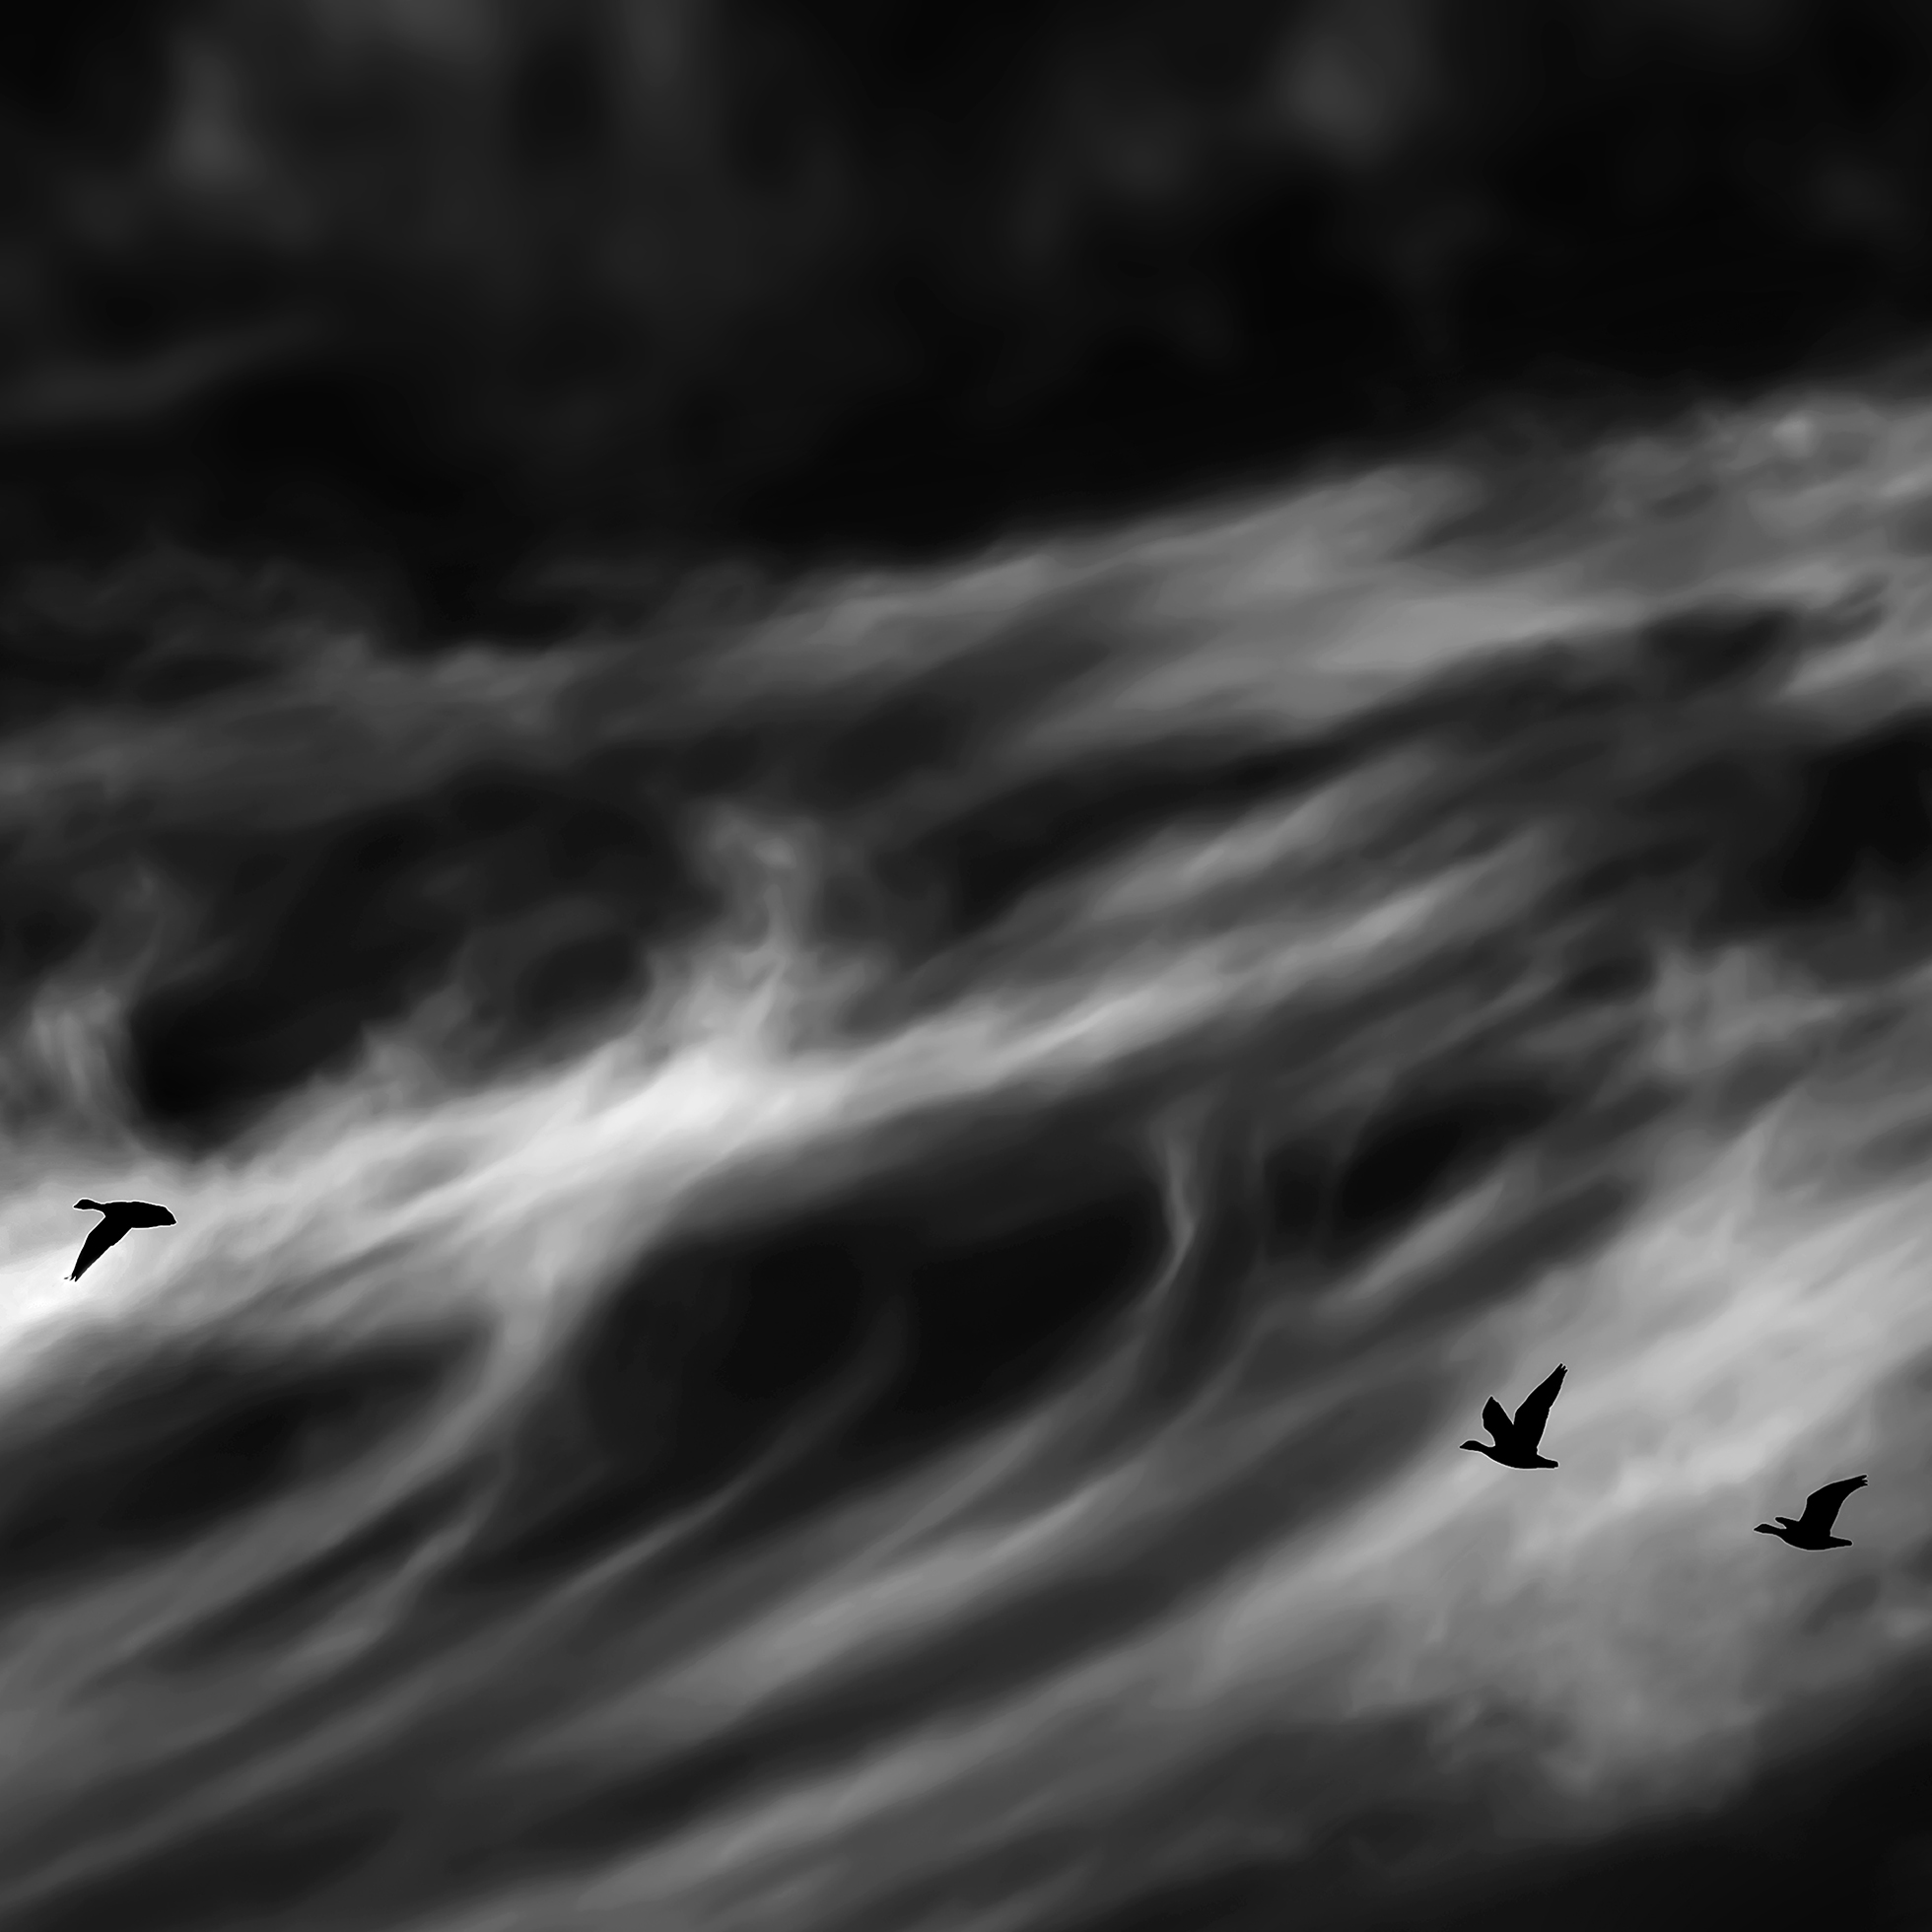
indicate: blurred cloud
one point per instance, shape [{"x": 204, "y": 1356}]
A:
[{"x": 718, "y": 268}]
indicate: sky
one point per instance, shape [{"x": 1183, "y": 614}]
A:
[{"x": 896, "y": 837}]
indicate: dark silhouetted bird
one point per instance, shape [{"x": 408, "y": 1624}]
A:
[
  {"x": 1516, "y": 1441},
  {"x": 1813, "y": 1530},
  {"x": 120, "y": 1217}
]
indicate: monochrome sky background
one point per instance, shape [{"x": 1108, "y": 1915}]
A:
[{"x": 896, "y": 833}]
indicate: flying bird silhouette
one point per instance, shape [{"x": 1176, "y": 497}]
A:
[
  {"x": 1813, "y": 1530},
  {"x": 121, "y": 1215},
  {"x": 1515, "y": 1444}
]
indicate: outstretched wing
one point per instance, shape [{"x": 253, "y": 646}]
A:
[
  {"x": 1535, "y": 1410},
  {"x": 143, "y": 1213},
  {"x": 1495, "y": 1420},
  {"x": 1822, "y": 1505},
  {"x": 103, "y": 1237}
]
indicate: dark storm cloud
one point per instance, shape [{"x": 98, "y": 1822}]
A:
[{"x": 424, "y": 280}]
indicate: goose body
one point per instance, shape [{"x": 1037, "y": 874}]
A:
[
  {"x": 1813, "y": 1530},
  {"x": 117, "y": 1217},
  {"x": 1517, "y": 1440}
]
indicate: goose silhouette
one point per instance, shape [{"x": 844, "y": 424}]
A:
[
  {"x": 121, "y": 1215},
  {"x": 1813, "y": 1530},
  {"x": 1516, "y": 1442}
]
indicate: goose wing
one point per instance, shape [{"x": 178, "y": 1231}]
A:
[
  {"x": 1495, "y": 1420},
  {"x": 100, "y": 1238},
  {"x": 1534, "y": 1412},
  {"x": 1822, "y": 1505}
]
